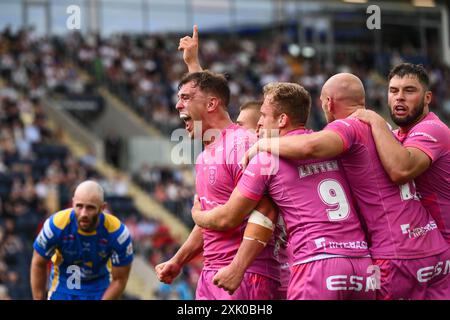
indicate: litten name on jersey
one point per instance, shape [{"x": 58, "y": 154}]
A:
[{"x": 318, "y": 167}]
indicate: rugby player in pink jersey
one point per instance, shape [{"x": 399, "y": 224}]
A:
[
  {"x": 423, "y": 153},
  {"x": 248, "y": 118},
  {"x": 203, "y": 99},
  {"x": 329, "y": 254},
  {"x": 404, "y": 241}
]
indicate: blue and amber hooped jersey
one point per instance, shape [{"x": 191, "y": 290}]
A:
[{"x": 82, "y": 261}]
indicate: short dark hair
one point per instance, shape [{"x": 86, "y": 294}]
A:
[
  {"x": 209, "y": 82},
  {"x": 252, "y": 104},
  {"x": 291, "y": 99},
  {"x": 407, "y": 69}
]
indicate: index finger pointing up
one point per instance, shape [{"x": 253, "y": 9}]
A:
[{"x": 195, "y": 32}]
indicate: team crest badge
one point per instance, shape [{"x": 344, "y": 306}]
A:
[{"x": 212, "y": 173}]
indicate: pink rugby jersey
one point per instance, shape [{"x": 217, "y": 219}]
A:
[
  {"x": 315, "y": 201},
  {"x": 432, "y": 136},
  {"x": 217, "y": 173},
  {"x": 398, "y": 225}
]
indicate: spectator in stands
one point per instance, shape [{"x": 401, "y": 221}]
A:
[{"x": 113, "y": 148}]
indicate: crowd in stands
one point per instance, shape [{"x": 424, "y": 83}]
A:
[
  {"x": 172, "y": 187},
  {"x": 37, "y": 174},
  {"x": 144, "y": 70}
]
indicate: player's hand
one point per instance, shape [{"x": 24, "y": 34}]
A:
[
  {"x": 167, "y": 271},
  {"x": 228, "y": 278},
  {"x": 189, "y": 45},
  {"x": 368, "y": 116},
  {"x": 251, "y": 153},
  {"x": 196, "y": 209}
]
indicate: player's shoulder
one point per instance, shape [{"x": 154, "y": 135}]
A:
[
  {"x": 431, "y": 123},
  {"x": 352, "y": 122},
  {"x": 432, "y": 127},
  {"x": 116, "y": 229},
  {"x": 61, "y": 219},
  {"x": 239, "y": 134},
  {"x": 343, "y": 124},
  {"x": 264, "y": 157},
  {"x": 111, "y": 223}
]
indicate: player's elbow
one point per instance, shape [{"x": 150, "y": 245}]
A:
[
  {"x": 226, "y": 223},
  {"x": 399, "y": 176}
]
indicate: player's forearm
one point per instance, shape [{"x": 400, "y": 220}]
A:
[
  {"x": 295, "y": 147},
  {"x": 395, "y": 158},
  {"x": 219, "y": 218},
  {"x": 194, "y": 66},
  {"x": 191, "y": 247},
  {"x": 38, "y": 279},
  {"x": 247, "y": 253},
  {"x": 115, "y": 289}
]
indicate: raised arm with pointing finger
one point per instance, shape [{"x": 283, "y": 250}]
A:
[{"x": 189, "y": 45}]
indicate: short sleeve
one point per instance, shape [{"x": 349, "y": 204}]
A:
[
  {"x": 255, "y": 178},
  {"x": 122, "y": 254},
  {"x": 47, "y": 239}
]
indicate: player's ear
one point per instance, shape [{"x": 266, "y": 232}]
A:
[
  {"x": 330, "y": 105},
  {"x": 283, "y": 120},
  {"x": 428, "y": 96},
  {"x": 212, "y": 104},
  {"x": 103, "y": 207}
]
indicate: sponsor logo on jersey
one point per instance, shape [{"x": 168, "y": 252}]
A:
[
  {"x": 417, "y": 232},
  {"x": 344, "y": 282},
  {"x": 129, "y": 249},
  {"x": 425, "y": 274},
  {"x": 48, "y": 230},
  {"x": 423, "y": 134},
  {"x": 42, "y": 242},
  {"x": 123, "y": 236},
  {"x": 69, "y": 237},
  {"x": 320, "y": 242},
  {"x": 249, "y": 173}
]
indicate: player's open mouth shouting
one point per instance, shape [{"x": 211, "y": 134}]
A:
[{"x": 187, "y": 121}]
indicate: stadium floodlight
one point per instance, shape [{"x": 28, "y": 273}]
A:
[
  {"x": 424, "y": 3},
  {"x": 308, "y": 52},
  {"x": 294, "y": 50},
  {"x": 355, "y": 1}
]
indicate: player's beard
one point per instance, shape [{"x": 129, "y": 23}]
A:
[
  {"x": 410, "y": 119},
  {"x": 91, "y": 226}
]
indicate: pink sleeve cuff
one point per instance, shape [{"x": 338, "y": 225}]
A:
[
  {"x": 344, "y": 140},
  {"x": 249, "y": 194},
  {"x": 421, "y": 148}
]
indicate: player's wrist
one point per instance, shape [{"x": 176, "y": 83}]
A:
[{"x": 237, "y": 267}]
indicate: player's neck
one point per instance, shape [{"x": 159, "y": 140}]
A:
[
  {"x": 419, "y": 119},
  {"x": 345, "y": 112},
  {"x": 218, "y": 122},
  {"x": 285, "y": 131}
]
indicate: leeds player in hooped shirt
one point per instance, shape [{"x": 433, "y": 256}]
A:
[{"x": 87, "y": 248}]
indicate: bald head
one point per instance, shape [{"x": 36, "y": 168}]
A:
[
  {"x": 345, "y": 88},
  {"x": 88, "y": 203},
  {"x": 89, "y": 190}
]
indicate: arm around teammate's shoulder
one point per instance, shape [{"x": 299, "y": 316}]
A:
[
  {"x": 226, "y": 216},
  {"x": 402, "y": 164},
  {"x": 320, "y": 144}
]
